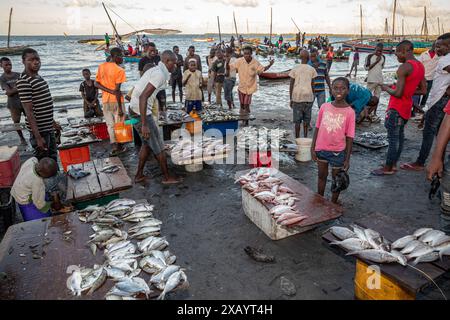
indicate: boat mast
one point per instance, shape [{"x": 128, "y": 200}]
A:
[
  {"x": 386, "y": 27},
  {"x": 361, "y": 21},
  {"x": 270, "y": 24},
  {"x": 393, "y": 18},
  {"x": 248, "y": 30},
  {"x": 424, "y": 31},
  {"x": 9, "y": 27},
  {"x": 235, "y": 26},
  {"x": 117, "y": 36},
  {"x": 220, "y": 34},
  {"x": 403, "y": 28},
  {"x": 439, "y": 26}
]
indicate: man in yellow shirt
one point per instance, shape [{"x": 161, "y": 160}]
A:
[
  {"x": 110, "y": 77},
  {"x": 248, "y": 68}
]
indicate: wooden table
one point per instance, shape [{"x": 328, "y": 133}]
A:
[
  {"x": 97, "y": 184},
  {"x": 392, "y": 229},
  {"x": 87, "y": 140}
]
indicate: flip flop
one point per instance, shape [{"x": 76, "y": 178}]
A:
[
  {"x": 380, "y": 172},
  {"x": 177, "y": 181},
  {"x": 411, "y": 167}
]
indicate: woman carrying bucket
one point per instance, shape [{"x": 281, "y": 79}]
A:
[{"x": 333, "y": 139}]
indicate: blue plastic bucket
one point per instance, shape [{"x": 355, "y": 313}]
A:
[{"x": 30, "y": 212}]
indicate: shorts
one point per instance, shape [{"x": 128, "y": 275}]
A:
[
  {"x": 374, "y": 88},
  {"x": 302, "y": 112},
  {"x": 335, "y": 159},
  {"x": 176, "y": 82},
  {"x": 154, "y": 142},
  {"x": 50, "y": 144},
  {"x": 193, "y": 104},
  {"x": 245, "y": 99}
]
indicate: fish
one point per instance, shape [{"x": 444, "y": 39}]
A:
[
  {"x": 403, "y": 242},
  {"x": 431, "y": 236},
  {"x": 352, "y": 244},
  {"x": 110, "y": 169},
  {"x": 420, "y": 232},
  {"x": 439, "y": 240},
  {"x": 142, "y": 208},
  {"x": 138, "y": 215},
  {"x": 294, "y": 221},
  {"x": 74, "y": 283},
  {"x": 121, "y": 202},
  {"x": 265, "y": 196},
  {"x": 444, "y": 251},
  {"x": 342, "y": 233},
  {"x": 374, "y": 238},
  {"x": 133, "y": 286},
  {"x": 152, "y": 222},
  {"x": 101, "y": 237},
  {"x": 116, "y": 246},
  {"x": 420, "y": 251},
  {"x": 94, "y": 280},
  {"x": 280, "y": 209},
  {"x": 115, "y": 274},
  {"x": 400, "y": 257},
  {"x": 429, "y": 257},
  {"x": 172, "y": 283},
  {"x": 164, "y": 274},
  {"x": 359, "y": 232},
  {"x": 146, "y": 232},
  {"x": 152, "y": 243},
  {"x": 288, "y": 216},
  {"x": 93, "y": 248},
  {"x": 77, "y": 173},
  {"x": 411, "y": 246},
  {"x": 152, "y": 265},
  {"x": 374, "y": 255}
]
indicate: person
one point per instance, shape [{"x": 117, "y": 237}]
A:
[
  {"x": 193, "y": 80},
  {"x": 298, "y": 40},
  {"x": 248, "y": 68},
  {"x": 436, "y": 165},
  {"x": 329, "y": 57},
  {"x": 191, "y": 55},
  {"x": 89, "y": 93},
  {"x": 361, "y": 100},
  {"x": 107, "y": 41},
  {"x": 355, "y": 63},
  {"x": 303, "y": 38},
  {"x": 209, "y": 62},
  {"x": 301, "y": 92},
  {"x": 322, "y": 77},
  {"x": 176, "y": 76},
  {"x": 29, "y": 189},
  {"x": 437, "y": 100},
  {"x": 410, "y": 81},
  {"x": 129, "y": 50},
  {"x": 109, "y": 79},
  {"x": 333, "y": 137},
  {"x": 280, "y": 41},
  {"x": 142, "y": 107},
  {"x": 8, "y": 82},
  {"x": 374, "y": 65},
  {"x": 230, "y": 78},
  {"x": 218, "y": 74},
  {"x": 37, "y": 102}
]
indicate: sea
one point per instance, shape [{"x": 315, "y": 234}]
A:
[{"x": 63, "y": 58}]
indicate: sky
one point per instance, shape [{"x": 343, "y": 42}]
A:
[{"x": 76, "y": 17}]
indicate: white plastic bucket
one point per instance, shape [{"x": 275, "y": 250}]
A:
[
  {"x": 304, "y": 149},
  {"x": 194, "y": 167}
]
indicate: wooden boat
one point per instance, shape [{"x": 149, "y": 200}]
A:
[
  {"x": 127, "y": 59},
  {"x": 11, "y": 51},
  {"x": 204, "y": 40},
  {"x": 275, "y": 75},
  {"x": 92, "y": 41},
  {"x": 365, "y": 47}
]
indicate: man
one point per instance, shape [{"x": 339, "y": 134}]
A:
[
  {"x": 8, "y": 82},
  {"x": 218, "y": 74},
  {"x": 29, "y": 187},
  {"x": 191, "y": 55},
  {"x": 107, "y": 41},
  {"x": 374, "y": 65},
  {"x": 89, "y": 93},
  {"x": 355, "y": 63},
  {"x": 209, "y": 63},
  {"x": 110, "y": 77},
  {"x": 329, "y": 58},
  {"x": 248, "y": 69},
  {"x": 176, "y": 78},
  {"x": 38, "y": 105},
  {"x": 410, "y": 81},
  {"x": 303, "y": 38},
  {"x": 437, "y": 100},
  {"x": 436, "y": 165},
  {"x": 143, "y": 108},
  {"x": 301, "y": 93},
  {"x": 322, "y": 77},
  {"x": 230, "y": 79}
]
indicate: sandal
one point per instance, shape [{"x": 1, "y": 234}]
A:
[
  {"x": 381, "y": 172},
  {"x": 176, "y": 181},
  {"x": 411, "y": 167}
]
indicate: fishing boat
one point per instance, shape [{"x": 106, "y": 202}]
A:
[
  {"x": 8, "y": 50},
  {"x": 127, "y": 59},
  {"x": 204, "y": 40},
  {"x": 94, "y": 42},
  {"x": 275, "y": 75}
]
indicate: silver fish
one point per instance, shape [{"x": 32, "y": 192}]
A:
[
  {"x": 377, "y": 256},
  {"x": 374, "y": 238},
  {"x": 152, "y": 265},
  {"x": 120, "y": 202},
  {"x": 121, "y": 265},
  {"x": 429, "y": 257},
  {"x": 410, "y": 247},
  {"x": 400, "y": 257},
  {"x": 420, "y": 251},
  {"x": 146, "y": 232},
  {"x": 133, "y": 286},
  {"x": 175, "y": 280},
  {"x": 444, "y": 251},
  {"x": 359, "y": 232},
  {"x": 116, "y": 246},
  {"x": 164, "y": 274},
  {"x": 153, "y": 243},
  {"x": 94, "y": 281},
  {"x": 115, "y": 274},
  {"x": 439, "y": 240},
  {"x": 403, "y": 242},
  {"x": 352, "y": 244},
  {"x": 420, "y": 232},
  {"x": 431, "y": 235},
  {"x": 142, "y": 207},
  {"x": 138, "y": 215},
  {"x": 342, "y": 233},
  {"x": 147, "y": 223}
]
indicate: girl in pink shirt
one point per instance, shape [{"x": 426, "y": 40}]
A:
[{"x": 333, "y": 137}]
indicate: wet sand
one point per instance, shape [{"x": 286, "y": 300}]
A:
[{"x": 208, "y": 231}]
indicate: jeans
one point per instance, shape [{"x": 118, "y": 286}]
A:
[
  {"x": 395, "y": 126},
  {"x": 433, "y": 120},
  {"x": 50, "y": 144},
  {"x": 425, "y": 97},
  {"x": 320, "y": 97}
]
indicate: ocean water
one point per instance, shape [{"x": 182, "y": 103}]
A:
[{"x": 63, "y": 58}]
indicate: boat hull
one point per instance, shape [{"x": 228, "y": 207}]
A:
[
  {"x": 275, "y": 75},
  {"x": 127, "y": 59}
]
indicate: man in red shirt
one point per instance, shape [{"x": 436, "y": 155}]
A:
[{"x": 410, "y": 81}]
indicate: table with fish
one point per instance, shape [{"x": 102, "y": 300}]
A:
[
  {"x": 409, "y": 259},
  {"x": 97, "y": 179},
  {"x": 77, "y": 138},
  {"x": 114, "y": 252},
  {"x": 76, "y": 123},
  {"x": 174, "y": 117}
]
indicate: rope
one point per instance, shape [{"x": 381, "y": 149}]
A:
[
  {"x": 431, "y": 279},
  {"x": 121, "y": 18}
]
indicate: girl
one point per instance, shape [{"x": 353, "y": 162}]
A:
[{"x": 333, "y": 137}]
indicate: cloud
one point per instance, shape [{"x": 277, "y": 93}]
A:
[
  {"x": 82, "y": 3},
  {"x": 238, "y": 3}
]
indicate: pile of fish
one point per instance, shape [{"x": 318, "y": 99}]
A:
[
  {"x": 127, "y": 253},
  {"x": 174, "y": 116},
  {"x": 253, "y": 138},
  {"x": 188, "y": 150},
  {"x": 373, "y": 139},
  {"x": 110, "y": 168},
  {"x": 264, "y": 186},
  {"x": 82, "y": 132},
  {"x": 218, "y": 115},
  {"x": 424, "y": 245}
]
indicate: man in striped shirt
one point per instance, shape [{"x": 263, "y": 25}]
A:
[{"x": 37, "y": 102}]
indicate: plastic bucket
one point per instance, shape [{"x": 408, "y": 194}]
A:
[
  {"x": 123, "y": 132},
  {"x": 30, "y": 212},
  {"x": 304, "y": 149}
]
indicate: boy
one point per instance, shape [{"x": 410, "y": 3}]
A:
[
  {"x": 230, "y": 79},
  {"x": 192, "y": 80},
  {"x": 8, "y": 84},
  {"x": 176, "y": 77},
  {"x": 209, "y": 62},
  {"x": 301, "y": 92},
  {"x": 89, "y": 93},
  {"x": 218, "y": 73}
]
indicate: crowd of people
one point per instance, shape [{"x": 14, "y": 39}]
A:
[{"x": 426, "y": 79}]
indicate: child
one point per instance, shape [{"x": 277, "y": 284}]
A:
[
  {"x": 192, "y": 80},
  {"x": 218, "y": 73},
  {"x": 89, "y": 93},
  {"x": 210, "y": 61},
  {"x": 333, "y": 138},
  {"x": 230, "y": 79}
]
